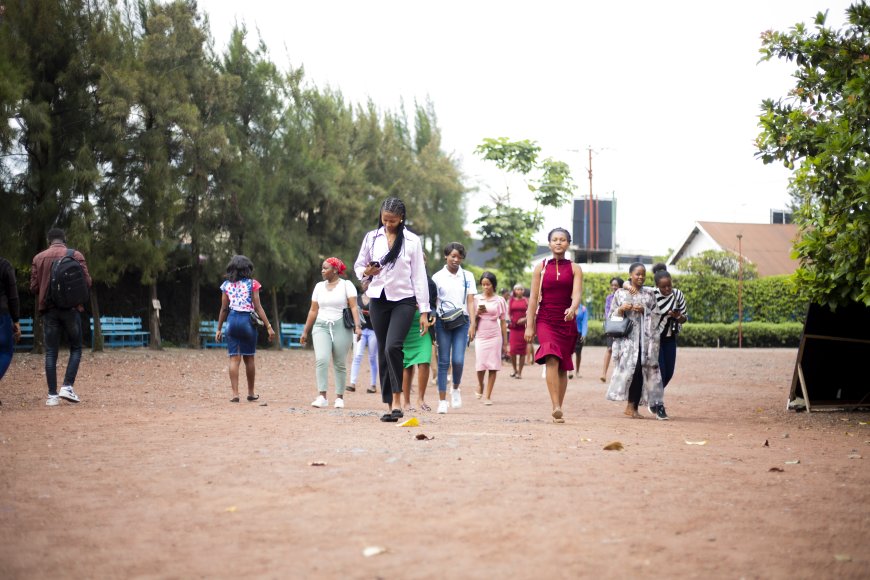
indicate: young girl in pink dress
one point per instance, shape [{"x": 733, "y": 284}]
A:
[
  {"x": 557, "y": 284},
  {"x": 490, "y": 332}
]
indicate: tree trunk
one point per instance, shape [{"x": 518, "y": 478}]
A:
[
  {"x": 154, "y": 320},
  {"x": 97, "y": 339},
  {"x": 195, "y": 277},
  {"x": 276, "y": 322}
]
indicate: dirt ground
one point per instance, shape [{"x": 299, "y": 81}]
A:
[{"x": 156, "y": 475}]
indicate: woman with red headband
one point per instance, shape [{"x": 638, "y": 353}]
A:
[{"x": 330, "y": 336}]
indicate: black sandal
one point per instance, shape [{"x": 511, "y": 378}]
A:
[
  {"x": 389, "y": 418},
  {"x": 253, "y": 397},
  {"x": 234, "y": 400},
  {"x": 350, "y": 389},
  {"x": 371, "y": 390},
  {"x": 397, "y": 413}
]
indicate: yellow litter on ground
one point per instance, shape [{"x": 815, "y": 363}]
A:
[{"x": 412, "y": 422}]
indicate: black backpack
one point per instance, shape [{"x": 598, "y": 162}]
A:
[{"x": 69, "y": 288}]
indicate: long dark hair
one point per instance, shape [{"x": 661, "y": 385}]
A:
[
  {"x": 492, "y": 280},
  {"x": 396, "y": 206},
  {"x": 239, "y": 268}
]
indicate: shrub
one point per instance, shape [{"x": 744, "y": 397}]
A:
[{"x": 755, "y": 334}]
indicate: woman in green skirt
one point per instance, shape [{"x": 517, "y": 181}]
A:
[{"x": 418, "y": 352}]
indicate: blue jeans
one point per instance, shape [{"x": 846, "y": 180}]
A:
[
  {"x": 668, "y": 358},
  {"x": 451, "y": 350},
  {"x": 55, "y": 321},
  {"x": 7, "y": 343},
  {"x": 368, "y": 339}
]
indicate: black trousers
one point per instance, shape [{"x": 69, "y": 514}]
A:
[
  {"x": 391, "y": 322},
  {"x": 635, "y": 389}
]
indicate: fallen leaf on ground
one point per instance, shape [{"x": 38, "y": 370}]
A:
[
  {"x": 862, "y": 422},
  {"x": 317, "y": 463},
  {"x": 412, "y": 422},
  {"x": 424, "y": 437},
  {"x": 232, "y": 509},
  {"x": 704, "y": 442},
  {"x": 842, "y": 557},
  {"x": 766, "y": 443},
  {"x": 855, "y": 456},
  {"x": 615, "y": 446},
  {"x": 793, "y": 462},
  {"x": 776, "y": 469},
  {"x": 585, "y": 439},
  {"x": 373, "y": 551}
]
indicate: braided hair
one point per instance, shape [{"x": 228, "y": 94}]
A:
[{"x": 396, "y": 206}]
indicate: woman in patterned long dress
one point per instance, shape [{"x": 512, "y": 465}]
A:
[
  {"x": 490, "y": 331},
  {"x": 556, "y": 288},
  {"x": 517, "y": 310},
  {"x": 636, "y": 377}
]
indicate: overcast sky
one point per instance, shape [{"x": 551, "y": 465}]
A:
[{"x": 666, "y": 94}]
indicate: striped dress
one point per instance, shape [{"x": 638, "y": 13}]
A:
[{"x": 667, "y": 326}]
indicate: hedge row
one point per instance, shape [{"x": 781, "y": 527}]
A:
[
  {"x": 714, "y": 298},
  {"x": 755, "y": 334}
]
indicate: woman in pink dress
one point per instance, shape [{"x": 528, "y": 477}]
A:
[
  {"x": 557, "y": 284},
  {"x": 490, "y": 330},
  {"x": 517, "y": 309}
]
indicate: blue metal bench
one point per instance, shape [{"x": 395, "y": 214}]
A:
[
  {"x": 291, "y": 332},
  {"x": 207, "y": 330},
  {"x": 26, "y": 342},
  {"x": 121, "y": 331}
]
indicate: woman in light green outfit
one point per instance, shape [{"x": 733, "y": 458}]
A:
[{"x": 331, "y": 338}]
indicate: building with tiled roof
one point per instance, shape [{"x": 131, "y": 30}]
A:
[{"x": 768, "y": 246}]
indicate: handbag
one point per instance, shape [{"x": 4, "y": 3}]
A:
[
  {"x": 617, "y": 327},
  {"x": 346, "y": 314},
  {"x": 255, "y": 318},
  {"x": 451, "y": 318}
]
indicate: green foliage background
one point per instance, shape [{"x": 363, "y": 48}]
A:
[{"x": 821, "y": 131}]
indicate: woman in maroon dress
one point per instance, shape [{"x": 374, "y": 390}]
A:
[
  {"x": 557, "y": 285},
  {"x": 517, "y": 309}
]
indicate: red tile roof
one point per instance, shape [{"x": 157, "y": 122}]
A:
[{"x": 768, "y": 246}]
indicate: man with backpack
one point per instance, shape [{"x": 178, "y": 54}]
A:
[{"x": 59, "y": 277}]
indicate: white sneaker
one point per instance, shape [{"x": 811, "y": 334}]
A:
[
  {"x": 66, "y": 392},
  {"x": 339, "y": 403},
  {"x": 455, "y": 399},
  {"x": 442, "y": 406},
  {"x": 52, "y": 401},
  {"x": 320, "y": 402}
]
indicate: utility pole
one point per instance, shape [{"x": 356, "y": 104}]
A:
[
  {"x": 591, "y": 213},
  {"x": 740, "y": 292}
]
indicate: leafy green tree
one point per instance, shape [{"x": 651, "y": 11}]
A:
[
  {"x": 440, "y": 195},
  {"x": 50, "y": 58},
  {"x": 510, "y": 229},
  {"x": 250, "y": 205},
  {"x": 153, "y": 92},
  {"x": 718, "y": 263},
  {"x": 821, "y": 130}
]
